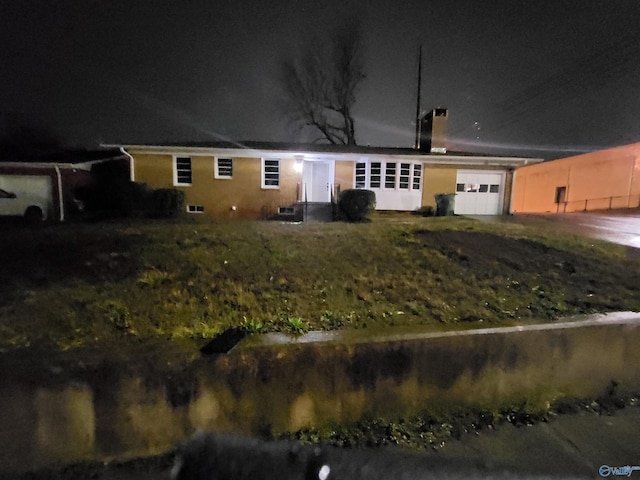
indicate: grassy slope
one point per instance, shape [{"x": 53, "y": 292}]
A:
[{"x": 78, "y": 285}]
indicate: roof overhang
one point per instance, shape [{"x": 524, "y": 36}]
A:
[{"x": 370, "y": 154}]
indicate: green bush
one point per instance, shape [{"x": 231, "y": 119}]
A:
[{"x": 355, "y": 204}]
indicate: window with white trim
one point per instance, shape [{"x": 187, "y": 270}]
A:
[
  {"x": 390, "y": 175},
  {"x": 182, "y": 171},
  {"x": 417, "y": 174},
  {"x": 405, "y": 176},
  {"x": 223, "y": 168},
  {"x": 375, "y": 175},
  {"x": 270, "y": 173},
  {"x": 361, "y": 174},
  {"x": 195, "y": 208}
]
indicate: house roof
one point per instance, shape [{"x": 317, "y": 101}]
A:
[
  {"x": 317, "y": 150},
  {"x": 67, "y": 157}
]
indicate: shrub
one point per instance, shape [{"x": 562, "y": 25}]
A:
[
  {"x": 167, "y": 202},
  {"x": 355, "y": 204}
]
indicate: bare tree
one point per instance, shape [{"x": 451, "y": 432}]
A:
[{"x": 320, "y": 87}]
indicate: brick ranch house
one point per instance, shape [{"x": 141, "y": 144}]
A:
[{"x": 259, "y": 180}]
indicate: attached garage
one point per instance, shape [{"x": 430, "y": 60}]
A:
[{"x": 479, "y": 192}]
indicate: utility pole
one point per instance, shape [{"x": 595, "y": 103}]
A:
[{"x": 416, "y": 145}]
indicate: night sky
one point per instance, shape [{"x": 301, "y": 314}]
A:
[{"x": 547, "y": 78}]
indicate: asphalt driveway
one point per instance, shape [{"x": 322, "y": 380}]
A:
[{"x": 616, "y": 226}]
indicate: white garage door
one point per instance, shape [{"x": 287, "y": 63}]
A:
[{"x": 479, "y": 192}]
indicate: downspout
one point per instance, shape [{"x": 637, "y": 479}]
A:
[
  {"x": 509, "y": 208},
  {"x": 60, "y": 196},
  {"x": 132, "y": 175}
]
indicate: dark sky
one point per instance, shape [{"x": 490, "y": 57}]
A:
[{"x": 545, "y": 78}]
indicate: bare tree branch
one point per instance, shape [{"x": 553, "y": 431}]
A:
[{"x": 321, "y": 86}]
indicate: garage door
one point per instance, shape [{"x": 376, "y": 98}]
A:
[{"x": 479, "y": 192}]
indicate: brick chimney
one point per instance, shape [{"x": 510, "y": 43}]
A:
[{"x": 433, "y": 131}]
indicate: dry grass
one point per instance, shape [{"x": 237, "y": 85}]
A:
[{"x": 81, "y": 285}]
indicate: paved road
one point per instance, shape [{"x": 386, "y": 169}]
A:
[
  {"x": 616, "y": 226},
  {"x": 573, "y": 446}
]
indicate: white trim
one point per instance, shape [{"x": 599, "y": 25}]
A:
[{"x": 468, "y": 160}]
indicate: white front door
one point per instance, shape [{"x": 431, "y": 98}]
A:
[{"x": 316, "y": 176}]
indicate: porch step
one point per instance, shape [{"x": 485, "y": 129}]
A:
[{"x": 317, "y": 212}]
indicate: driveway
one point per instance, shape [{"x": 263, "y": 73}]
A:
[{"x": 616, "y": 226}]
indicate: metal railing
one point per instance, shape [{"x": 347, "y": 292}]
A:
[{"x": 602, "y": 203}]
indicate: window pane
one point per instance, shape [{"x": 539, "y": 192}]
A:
[
  {"x": 374, "y": 178},
  {"x": 361, "y": 168},
  {"x": 225, "y": 167},
  {"x": 271, "y": 173},
  {"x": 183, "y": 170},
  {"x": 459, "y": 187},
  {"x": 494, "y": 188},
  {"x": 390, "y": 176},
  {"x": 405, "y": 172},
  {"x": 484, "y": 188},
  {"x": 417, "y": 173}
]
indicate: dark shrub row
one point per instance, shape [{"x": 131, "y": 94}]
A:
[{"x": 125, "y": 199}]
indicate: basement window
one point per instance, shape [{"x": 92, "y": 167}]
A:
[
  {"x": 223, "y": 168},
  {"x": 195, "y": 208},
  {"x": 286, "y": 211},
  {"x": 182, "y": 171}
]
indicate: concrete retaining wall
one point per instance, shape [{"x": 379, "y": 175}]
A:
[{"x": 69, "y": 411}]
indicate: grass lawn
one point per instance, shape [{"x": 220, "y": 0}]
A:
[{"x": 83, "y": 285}]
